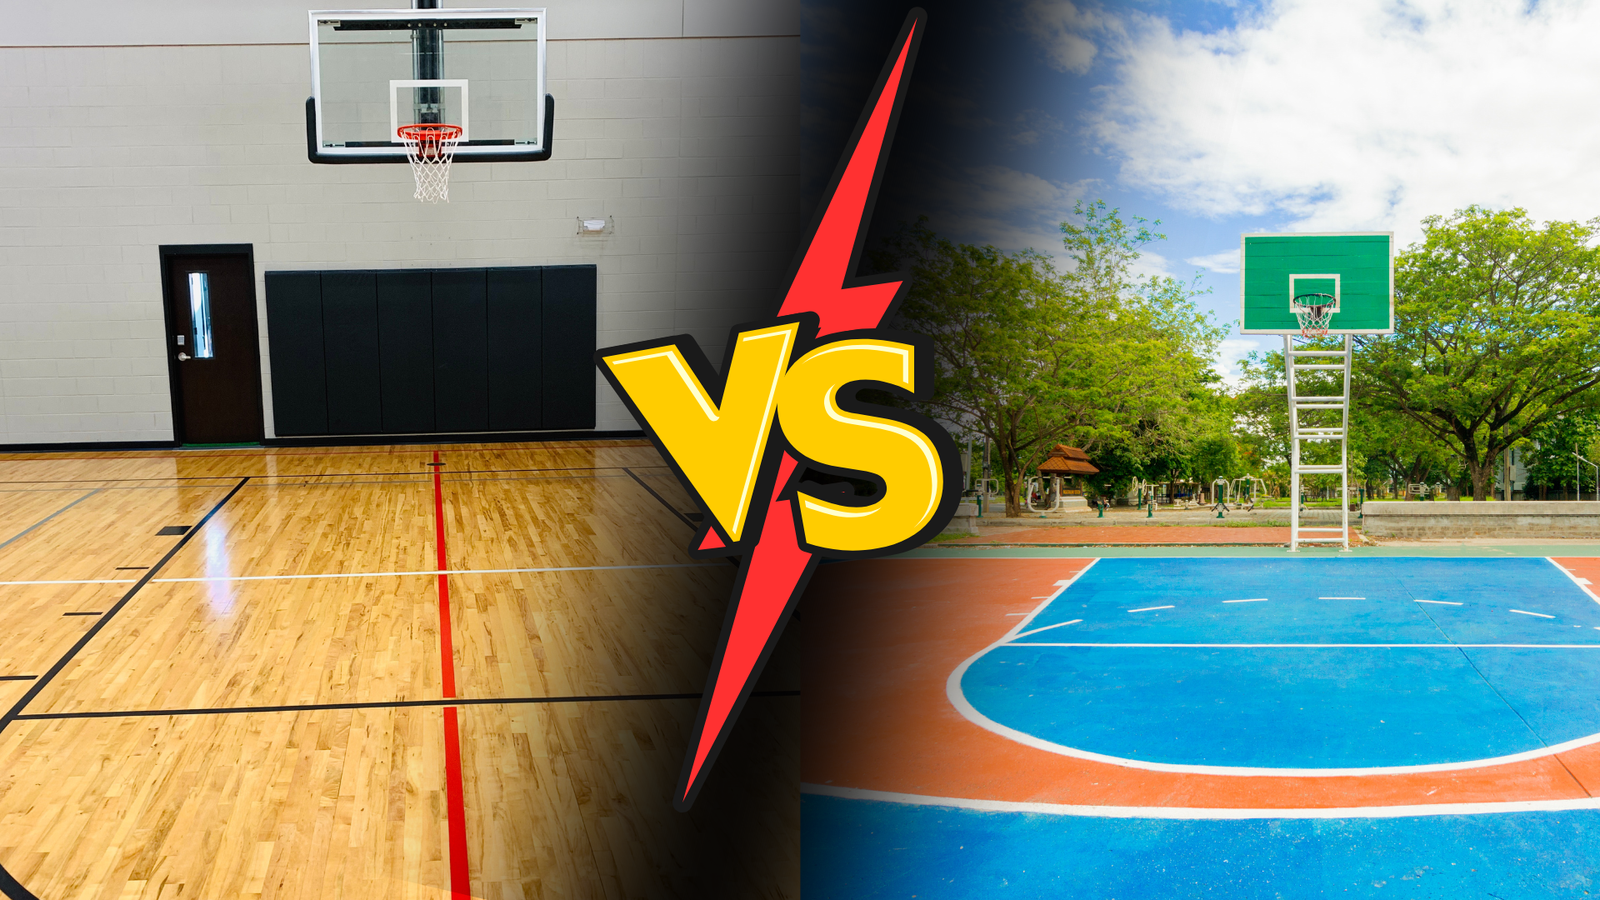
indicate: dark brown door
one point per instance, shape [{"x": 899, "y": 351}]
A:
[{"x": 212, "y": 344}]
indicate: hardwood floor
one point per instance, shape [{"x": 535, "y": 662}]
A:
[{"x": 271, "y": 704}]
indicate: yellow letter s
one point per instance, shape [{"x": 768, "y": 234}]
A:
[{"x": 912, "y": 461}]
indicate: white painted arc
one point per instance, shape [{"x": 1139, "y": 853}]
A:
[{"x": 957, "y": 698}]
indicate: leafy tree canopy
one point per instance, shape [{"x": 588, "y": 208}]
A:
[
  {"x": 1497, "y": 330},
  {"x": 1028, "y": 356}
]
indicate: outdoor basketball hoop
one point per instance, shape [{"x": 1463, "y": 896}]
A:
[
  {"x": 1313, "y": 311},
  {"x": 430, "y": 149}
]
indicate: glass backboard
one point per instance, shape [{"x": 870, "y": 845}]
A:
[{"x": 376, "y": 70}]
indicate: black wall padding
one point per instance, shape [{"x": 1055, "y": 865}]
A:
[
  {"x": 432, "y": 351},
  {"x": 515, "y": 317},
  {"x": 299, "y": 381},
  {"x": 569, "y": 344},
  {"x": 405, "y": 351},
  {"x": 350, "y": 339},
  {"x": 460, "y": 350}
]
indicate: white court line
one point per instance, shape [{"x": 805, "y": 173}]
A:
[
  {"x": 371, "y": 574},
  {"x": 1441, "y": 602},
  {"x": 1149, "y": 608},
  {"x": 1048, "y": 627},
  {"x": 958, "y": 699},
  {"x": 1582, "y": 583},
  {"x": 1257, "y": 600},
  {"x": 1333, "y": 646},
  {"x": 1190, "y": 812},
  {"x": 1526, "y": 613},
  {"x": 1061, "y": 587}
]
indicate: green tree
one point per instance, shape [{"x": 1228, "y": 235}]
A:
[
  {"x": 1384, "y": 447},
  {"x": 1396, "y": 451},
  {"x": 1553, "y": 462},
  {"x": 1216, "y": 456},
  {"x": 1028, "y": 356},
  {"x": 1497, "y": 330}
]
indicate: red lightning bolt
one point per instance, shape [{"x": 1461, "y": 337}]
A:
[{"x": 776, "y": 569}]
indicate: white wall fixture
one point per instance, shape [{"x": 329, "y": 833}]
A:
[{"x": 595, "y": 225}]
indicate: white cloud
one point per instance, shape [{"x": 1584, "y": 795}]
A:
[
  {"x": 1151, "y": 263},
  {"x": 1007, "y": 208},
  {"x": 1230, "y": 351},
  {"x": 1226, "y": 262},
  {"x": 1363, "y": 114},
  {"x": 1060, "y": 26}
]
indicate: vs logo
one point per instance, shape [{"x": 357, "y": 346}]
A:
[
  {"x": 786, "y": 390},
  {"x": 785, "y": 403}
]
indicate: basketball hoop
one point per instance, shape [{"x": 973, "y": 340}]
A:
[
  {"x": 430, "y": 149},
  {"x": 1313, "y": 311}
]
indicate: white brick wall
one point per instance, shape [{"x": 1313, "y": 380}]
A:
[{"x": 108, "y": 152}]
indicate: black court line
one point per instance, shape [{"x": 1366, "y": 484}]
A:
[
  {"x": 291, "y": 481},
  {"x": 372, "y": 704},
  {"x": 44, "y": 680},
  {"x": 84, "y": 613},
  {"x": 681, "y": 517},
  {"x": 112, "y": 480},
  {"x": 24, "y": 532},
  {"x": 17, "y": 677},
  {"x": 412, "y": 472}
]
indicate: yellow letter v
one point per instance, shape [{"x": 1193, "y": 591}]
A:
[{"x": 718, "y": 445}]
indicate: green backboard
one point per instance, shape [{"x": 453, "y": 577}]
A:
[{"x": 1357, "y": 268}]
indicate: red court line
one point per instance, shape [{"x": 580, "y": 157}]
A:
[
  {"x": 877, "y": 717},
  {"x": 455, "y": 795}
]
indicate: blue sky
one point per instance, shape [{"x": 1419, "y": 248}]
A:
[{"x": 1285, "y": 115}]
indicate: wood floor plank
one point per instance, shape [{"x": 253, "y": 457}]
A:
[
  {"x": 23, "y": 507},
  {"x": 562, "y": 800},
  {"x": 38, "y": 631},
  {"x": 639, "y": 631},
  {"x": 107, "y": 530},
  {"x": 259, "y": 643},
  {"x": 331, "y": 527},
  {"x": 324, "y": 804},
  {"x": 574, "y": 800},
  {"x": 558, "y": 519}
]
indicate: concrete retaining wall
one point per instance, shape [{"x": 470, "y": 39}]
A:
[{"x": 1427, "y": 520}]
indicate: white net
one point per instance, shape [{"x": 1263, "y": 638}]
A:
[
  {"x": 430, "y": 149},
  {"x": 1313, "y": 312}
]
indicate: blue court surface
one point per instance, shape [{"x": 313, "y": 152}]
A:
[
  {"x": 861, "y": 848},
  {"x": 1319, "y": 667},
  {"x": 1314, "y": 663}
]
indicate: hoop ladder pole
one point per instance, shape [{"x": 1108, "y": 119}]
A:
[{"x": 1299, "y": 433}]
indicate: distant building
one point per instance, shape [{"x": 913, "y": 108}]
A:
[{"x": 1072, "y": 464}]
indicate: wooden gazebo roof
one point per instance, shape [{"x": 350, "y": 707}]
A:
[{"x": 1064, "y": 460}]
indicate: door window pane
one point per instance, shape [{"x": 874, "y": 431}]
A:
[{"x": 200, "y": 314}]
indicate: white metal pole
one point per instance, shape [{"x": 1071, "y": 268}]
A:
[
  {"x": 1344, "y": 448},
  {"x": 1294, "y": 447}
]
